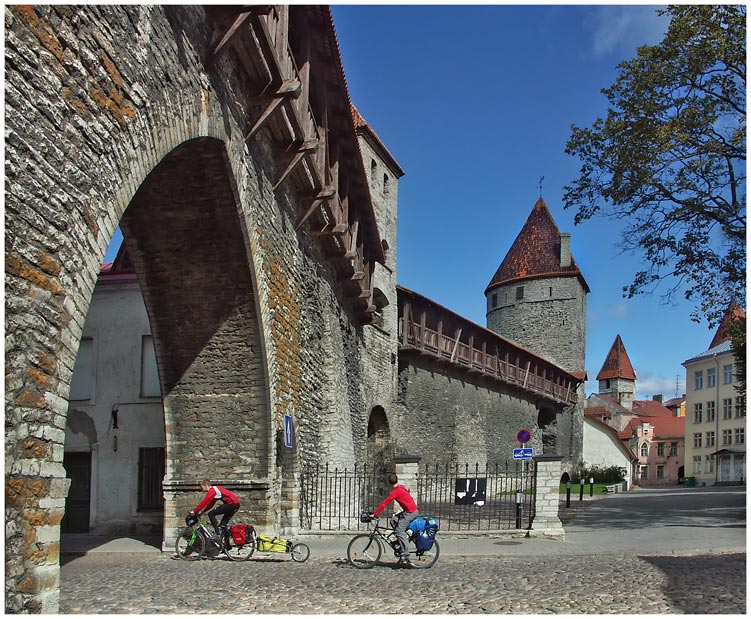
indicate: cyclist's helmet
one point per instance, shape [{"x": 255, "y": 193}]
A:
[
  {"x": 365, "y": 517},
  {"x": 191, "y": 519}
]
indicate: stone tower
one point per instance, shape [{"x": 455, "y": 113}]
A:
[
  {"x": 537, "y": 298},
  {"x": 381, "y": 337},
  {"x": 617, "y": 378}
]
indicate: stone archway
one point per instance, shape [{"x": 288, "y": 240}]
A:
[
  {"x": 380, "y": 451},
  {"x": 187, "y": 242}
]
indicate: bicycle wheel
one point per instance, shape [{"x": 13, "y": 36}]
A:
[
  {"x": 242, "y": 552},
  {"x": 363, "y": 551},
  {"x": 190, "y": 545},
  {"x": 423, "y": 559},
  {"x": 300, "y": 553}
]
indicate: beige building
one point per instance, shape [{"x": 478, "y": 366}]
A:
[{"x": 715, "y": 416}]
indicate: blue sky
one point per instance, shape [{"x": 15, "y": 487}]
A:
[{"x": 476, "y": 103}]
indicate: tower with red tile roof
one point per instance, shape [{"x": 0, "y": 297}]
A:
[
  {"x": 537, "y": 297},
  {"x": 617, "y": 378}
]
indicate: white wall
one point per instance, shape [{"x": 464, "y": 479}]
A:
[
  {"x": 116, "y": 323},
  {"x": 603, "y": 448}
]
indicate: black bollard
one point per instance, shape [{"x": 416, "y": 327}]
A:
[
  {"x": 581, "y": 489},
  {"x": 568, "y": 493},
  {"x": 591, "y": 486}
]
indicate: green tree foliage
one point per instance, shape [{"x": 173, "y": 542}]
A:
[{"x": 669, "y": 159}]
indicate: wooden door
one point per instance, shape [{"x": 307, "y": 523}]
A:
[{"x": 77, "y": 505}]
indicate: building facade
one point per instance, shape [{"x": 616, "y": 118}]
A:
[
  {"x": 715, "y": 415},
  {"x": 115, "y": 439}
]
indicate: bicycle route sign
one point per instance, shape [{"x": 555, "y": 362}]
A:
[{"x": 524, "y": 453}]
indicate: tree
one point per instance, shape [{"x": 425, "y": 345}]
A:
[{"x": 669, "y": 159}]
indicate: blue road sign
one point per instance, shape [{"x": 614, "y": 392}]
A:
[
  {"x": 523, "y": 436},
  {"x": 289, "y": 436},
  {"x": 524, "y": 453}
]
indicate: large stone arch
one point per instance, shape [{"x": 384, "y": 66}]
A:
[
  {"x": 100, "y": 102},
  {"x": 187, "y": 240}
]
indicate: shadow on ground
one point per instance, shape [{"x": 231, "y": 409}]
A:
[{"x": 692, "y": 590}]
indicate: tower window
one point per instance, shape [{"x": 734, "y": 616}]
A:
[
  {"x": 495, "y": 299},
  {"x": 519, "y": 292}
]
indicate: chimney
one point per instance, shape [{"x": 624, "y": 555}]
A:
[
  {"x": 565, "y": 249},
  {"x": 657, "y": 398}
]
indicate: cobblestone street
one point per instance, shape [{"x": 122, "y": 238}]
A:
[{"x": 148, "y": 583}]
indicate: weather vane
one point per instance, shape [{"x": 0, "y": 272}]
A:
[{"x": 539, "y": 184}]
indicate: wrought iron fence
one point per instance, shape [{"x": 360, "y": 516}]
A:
[
  {"x": 332, "y": 498},
  {"x": 465, "y": 497},
  {"x": 474, "y": 498}
]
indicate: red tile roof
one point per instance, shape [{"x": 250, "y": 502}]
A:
[
  {"x": 536, "y": 252},
  {"x": 722, "y": 334},
  {"x": 362, "y": 125},
  {"x": 617, "y": 364},
  {"x": 651, "y": 408},
  {"x": 668, "y": 427}
]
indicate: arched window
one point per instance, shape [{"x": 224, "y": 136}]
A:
[{"x": 645, "y": 449}]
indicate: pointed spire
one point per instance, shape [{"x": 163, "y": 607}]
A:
[
  {"x": 536, "y": 252},
  {"x": 732, "y": 313},
  {"x": 617, "y": 364}
]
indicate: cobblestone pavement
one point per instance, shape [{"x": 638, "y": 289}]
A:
[{"x": 158, "y": 583}]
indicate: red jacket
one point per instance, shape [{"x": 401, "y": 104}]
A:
[
  {"x": 217, "y": 493},
  {"x": 401, "y": 495}
]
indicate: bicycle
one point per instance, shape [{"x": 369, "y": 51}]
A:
[
  {"x": 196, "y": 541},
  {"x": 365, "y": 550}
]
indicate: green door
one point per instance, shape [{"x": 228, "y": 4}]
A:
[{"x": 77, "y": 505}]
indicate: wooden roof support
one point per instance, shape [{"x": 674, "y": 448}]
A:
[
  {"x": 289, "y": 89},
  {"x": 223, "y": 41},
  {"x": 352, "y": 251},
  {"x": 308, "y": 146}
]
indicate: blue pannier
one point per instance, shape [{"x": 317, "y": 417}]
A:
[{"x": 424, "y": 539}]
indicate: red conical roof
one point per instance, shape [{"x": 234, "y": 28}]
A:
[
  {"x": 617, "y": 364},
  {"x": 733, "y": 312},
  {"x": 536, "y": 252}
]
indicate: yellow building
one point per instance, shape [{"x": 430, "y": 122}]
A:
[{"x": 715, "y": 415}]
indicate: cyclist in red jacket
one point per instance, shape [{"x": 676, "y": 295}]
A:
[
  {"x": 409, "y": 512},
  {"x": 230, "y": 504}
]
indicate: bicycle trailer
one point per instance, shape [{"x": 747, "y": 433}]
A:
[{"x": 273, "y": 544}]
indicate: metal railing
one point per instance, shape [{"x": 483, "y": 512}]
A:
[
  {"x": 464, "y": 497},
  {"x": 478, "y": 498}
]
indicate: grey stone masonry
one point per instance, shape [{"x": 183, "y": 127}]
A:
[{"x": 546, "y": 522}]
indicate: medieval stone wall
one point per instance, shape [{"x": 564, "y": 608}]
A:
[
  {"x": 96, "y": 98},
  {"x": 445, "y": 416}
]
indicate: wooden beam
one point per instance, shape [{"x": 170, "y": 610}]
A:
[
  {"x": 352, "y": 251},
  {"x": 526, "y": 375},
  {"x": 288, "y": 89},
  {"x": 423, "y": 322},
  {"x": 220, "y": 44},
  {"x": 456, "y": 344},
  {"x": 405, "y": 324},
  {"x": 306, "y": 147}
]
